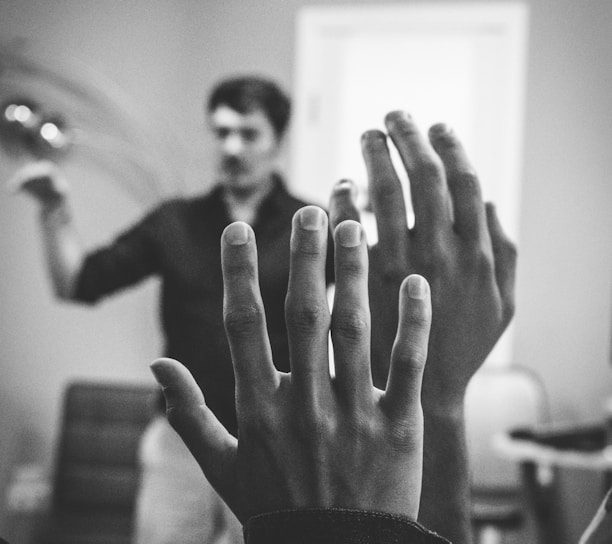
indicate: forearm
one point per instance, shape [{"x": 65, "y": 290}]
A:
[
  {"x": 445, "y": 498},
  {"x": 63, "y": 250}
]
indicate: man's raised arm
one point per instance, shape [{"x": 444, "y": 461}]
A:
[{"x": 63, "y": 250}]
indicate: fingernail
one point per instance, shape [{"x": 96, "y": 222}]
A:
[
  {"x": 311, "y": 218},
  {"x": 441, "y": 129},
  {"x": 348, "y": 234},
  {"x": 237, "y": 234},
  {"x": 417, "y": 287},
  {"x": 159, "y": 373},
  {"x": 343, "y": 185},
  {"x": 374, "y": 136}
]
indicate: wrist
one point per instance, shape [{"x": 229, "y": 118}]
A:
[
  {"x": 55, "y": 210},
  {"x": 450, "y": 409}
]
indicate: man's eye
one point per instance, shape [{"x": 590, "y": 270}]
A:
[
  {"x": 222, "y": 133},
  {"x": 250, "y": 135}
]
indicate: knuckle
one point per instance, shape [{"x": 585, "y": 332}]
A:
[
  {"x": 511, "y": 251},
  {"x": 350, "y": 323},
  {"x": 427, "y": 168},
  {"x": 414, "y": 361},
  {"x": 435, "y": 258},
  {"x": 306, "y": 316},
  {"x": 467, "y": 181},
  {"x": 509, "y": 308},
  {"x": 393, "y": 273},
  {"x": 257, "y": 423},
  {"x": 407, "y": 435},
  {"x": 317, "y": 425},
  {"x": 480, "y": 264},
  {"x": 180, "y": 418},
  {"x": 385, "y": 190},
  {"x": 363, "y": 425},
  {"x": 242, "y": 320}
]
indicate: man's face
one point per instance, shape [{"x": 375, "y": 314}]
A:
[{"x": 246, "y": 147}]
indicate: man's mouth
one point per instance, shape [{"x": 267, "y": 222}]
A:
[{"x": 233, "y": 166}]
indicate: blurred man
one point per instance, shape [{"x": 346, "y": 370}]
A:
[{"x": 179, "y": 242}]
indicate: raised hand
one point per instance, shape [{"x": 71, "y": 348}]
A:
[
  {"x": 305, "y": 439},
  {"x": 458, "y": 244},
  {"x": 42, "y": 180}
]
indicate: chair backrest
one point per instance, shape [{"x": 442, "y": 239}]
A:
[
  {"x": 96, "y": 462},
  {"x": 497, "y": 400}
]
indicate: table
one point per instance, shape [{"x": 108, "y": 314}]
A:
[{"x": 541, "y": 454}]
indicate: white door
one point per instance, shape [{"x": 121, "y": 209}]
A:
[{"x": 463, "y": 64}]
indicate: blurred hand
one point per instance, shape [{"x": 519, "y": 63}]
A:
[
  {"x": 456, "y": 242},
  {"x": 42, "y": 180},
  {"x": 306, "y": 440}
]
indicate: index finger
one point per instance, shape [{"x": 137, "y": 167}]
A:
[
  {"x": 387, "y": 198},
  {"x": 243, "y": 312}
]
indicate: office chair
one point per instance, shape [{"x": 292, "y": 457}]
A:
[{"x": 96, "y": 465}]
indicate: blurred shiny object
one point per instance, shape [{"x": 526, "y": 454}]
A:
[
  {"x": 53, "y": 134},
  {"x": 23, "y": 115},
  {"x": 26, "y": 129}
]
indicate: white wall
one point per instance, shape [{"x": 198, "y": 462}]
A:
[{"x": 166, "y": 54}]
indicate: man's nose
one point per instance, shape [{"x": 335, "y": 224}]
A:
[{"x": 233, "y": 144}]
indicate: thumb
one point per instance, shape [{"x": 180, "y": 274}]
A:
[{"x": 212, "y": 446}]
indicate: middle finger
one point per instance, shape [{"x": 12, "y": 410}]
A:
[
  {"x": 306, "y": 306},
  {"x": 428, "y": 188}
]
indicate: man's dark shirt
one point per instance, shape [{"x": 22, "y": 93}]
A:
[{"x": 180, "y": 242}]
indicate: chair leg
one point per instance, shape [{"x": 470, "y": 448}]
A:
[{"x": 489, "y": 535}]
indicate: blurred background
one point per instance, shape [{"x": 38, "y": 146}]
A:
[{"x": 129, "y": 78}]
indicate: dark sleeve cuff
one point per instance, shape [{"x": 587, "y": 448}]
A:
[{"x": 336, "y": 526}]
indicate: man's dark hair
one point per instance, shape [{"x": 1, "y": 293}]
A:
[{"x": 249, "y": 93}]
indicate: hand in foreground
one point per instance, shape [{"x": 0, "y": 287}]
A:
[
  {"x": 457, "y": 243},
  {"x": 306, "y": 440},
  {"x": 42, "y": 180}
]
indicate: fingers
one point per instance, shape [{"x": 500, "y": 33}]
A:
[
  {"x": 428, "y": 189},
  {"x": 403, "y": 393},
  {"x": 306, "y": 307},
  {"x": 342, "y": 203},
  {"x": 209, "y": 442},
  {"x": 463, "y": 184},
  {"x": 41, "y": 179},
  {"x": 504, "y": 252},
  {"x": 387, "y": 199},
  {"x": 351, "y": 313},
  {"x": 243, "y": 313}
]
